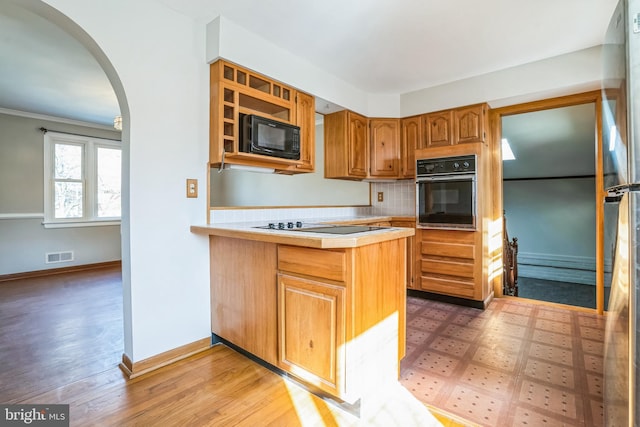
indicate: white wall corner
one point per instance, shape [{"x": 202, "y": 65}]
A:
[
  {"x": 213, "y": 40},
  {"x": 384, "y": 105}
]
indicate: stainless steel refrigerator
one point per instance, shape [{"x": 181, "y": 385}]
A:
[{"x": 621, "y": 160}]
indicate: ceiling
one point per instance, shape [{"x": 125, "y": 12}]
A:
[
  {"x": 378, "y": 46},
  {"x": 44, "y": 70},
  {"x": 551, "y": 143}
]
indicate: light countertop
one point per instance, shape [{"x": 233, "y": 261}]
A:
[{"x": 247, "y": 230}]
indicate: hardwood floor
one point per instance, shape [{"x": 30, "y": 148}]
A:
[
  {"x": 516, "y": 362},
  {"x": 55, "y": 330},
  {"x": 220, "y": 387},
  {"x": 61, "y": 341}
]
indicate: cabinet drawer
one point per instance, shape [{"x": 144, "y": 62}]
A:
[
  {"x": 323, "y": 263},
  {"x": 450, "y": 250},
  {"x": 457, "y": 288},
  {"x": 447, "y": 268}
]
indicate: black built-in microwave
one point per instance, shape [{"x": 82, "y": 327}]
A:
[{"x": 260, "y": 135}]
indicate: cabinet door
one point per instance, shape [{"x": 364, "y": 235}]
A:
[
  {"x": 469, "y": 124},
  {"x": 410, "y": 139},
  {"x": 358, "y": 141},
  {"x": 411, "y": 256},
  {"x": 385, "y": 148},
  {"x": 306, "y": 120},
  {"x": 438, "y": 128},
  {"x": 311, "y": 331}
]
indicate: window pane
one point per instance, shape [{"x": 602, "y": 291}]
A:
[
  {"x": 68, "y": 199},
  {"x": 109, "y": 182},
  {"x": 68, "y": 164}
]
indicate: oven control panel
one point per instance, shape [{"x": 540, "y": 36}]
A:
[{"x": 446, "y": 165}]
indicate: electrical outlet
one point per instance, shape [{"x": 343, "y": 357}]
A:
[
  {"x": 380, "y": 196},
  {"x": 192, "y": 188}
]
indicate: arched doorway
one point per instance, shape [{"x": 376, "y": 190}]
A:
[{"x": 54, "y": 16}]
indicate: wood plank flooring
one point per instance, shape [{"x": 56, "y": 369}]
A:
[
  {"x": 58, "y": 329},
  {"x": 219, "y": 387},
  {"x": 61, "y": 341},
  {"x": 515, "y": 363}
]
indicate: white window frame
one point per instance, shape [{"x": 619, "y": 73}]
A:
[{"x": 89, "y": 179}]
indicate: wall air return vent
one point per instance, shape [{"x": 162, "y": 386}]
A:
[{"x": 53, "y": 257}]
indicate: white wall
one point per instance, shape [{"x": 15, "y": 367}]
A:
[
  {"x": 157, "y": 64},
  {"x": 574, "y": 72},
  {"x": 24, "y": 240},
  {"x": 554, "y": 221}
]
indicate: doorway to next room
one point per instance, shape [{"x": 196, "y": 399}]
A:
[{"x": 549, "y": 202}]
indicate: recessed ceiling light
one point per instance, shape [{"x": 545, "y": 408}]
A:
[{"x": 507, "y": 154}]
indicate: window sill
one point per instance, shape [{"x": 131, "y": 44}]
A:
[{"x": 73, "y": 224}]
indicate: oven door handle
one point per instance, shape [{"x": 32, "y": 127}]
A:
[{"x": 452, "y": 177}]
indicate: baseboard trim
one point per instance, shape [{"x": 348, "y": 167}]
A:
[
  {"x": 551, "y": 304},
  {"x": 450, "y": 299},
  {"x": 562, "y": 268},
  {"x": 61, "y": 270},
  {"x": 136, "y": 369}
]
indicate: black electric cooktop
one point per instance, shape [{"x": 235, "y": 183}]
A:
[{"x": 339, "y": 229}]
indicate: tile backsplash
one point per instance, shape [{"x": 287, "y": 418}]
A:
[
  {"x": 399, "y": 200},
  {"x": 258, "y": 215}
]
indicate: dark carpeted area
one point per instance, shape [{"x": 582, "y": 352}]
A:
[{"x": 560, "y": 292}]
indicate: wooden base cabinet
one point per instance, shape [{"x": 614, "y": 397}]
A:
[
  {"x": 410, "y": 252},
  {"x": 240, "y": 290},
  {"x": 311, "y": 334},
  {"x": 334, "y": 318},
  {"x": 450, "y": 263},
  {"x": 342, "y": 316}
]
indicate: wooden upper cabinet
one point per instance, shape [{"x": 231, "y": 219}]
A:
[
  {"x": 411, "y": 139},
  {"x": 380, "y": 148},
  {"x": 469, "y": 123},
  {"x": 385, "y": 148},
  {"x": 234, "y": 91},
  {"x": 306, "y": 120},
  {"x": 456, "y": 126},
  {"x": 438, "y": 129},
  {"x": 346, "y": 145},
  {"x": 358, "y": 145}
]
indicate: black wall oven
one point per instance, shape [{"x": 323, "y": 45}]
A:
[{"x": 446, "y": 192}]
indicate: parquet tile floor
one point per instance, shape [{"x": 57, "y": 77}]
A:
[{"x": 513, "y": 364}]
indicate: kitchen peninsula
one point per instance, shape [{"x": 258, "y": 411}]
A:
[{"x": 328, "y": 309}]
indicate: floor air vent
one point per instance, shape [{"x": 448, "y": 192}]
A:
[{"x": 59, "y": 257}]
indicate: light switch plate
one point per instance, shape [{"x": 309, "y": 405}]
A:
[{"x": 192, "y": 188}]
